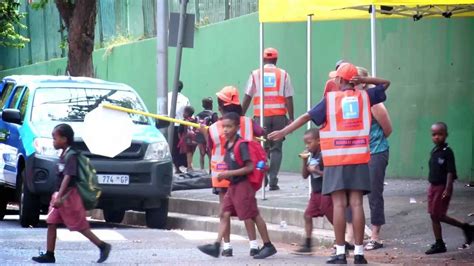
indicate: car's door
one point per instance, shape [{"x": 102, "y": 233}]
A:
[
  {"x": 12, "y": 142},
  {"x": 4, "y": 133}
]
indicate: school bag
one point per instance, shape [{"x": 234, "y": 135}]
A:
[
  {"x": 258, "y": 156},
  {"x": 86, "y": 180}
]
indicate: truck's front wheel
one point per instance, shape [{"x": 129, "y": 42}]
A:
[
  {"x": 29, "y": 206},
  {"x": 113, "y": 216},
  {"x": 3, "y": 203},
  {"x": 157, "y": 217}
]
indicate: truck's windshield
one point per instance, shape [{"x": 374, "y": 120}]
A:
[{"x": 72, "y": 104}]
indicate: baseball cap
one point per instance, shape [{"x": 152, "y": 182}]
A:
[
  {"x": 346, "y": 71},
  {"x": 229, "y": 95},
  {"x": 270, "y": 53},
  {"x": 332, "y": 74}
]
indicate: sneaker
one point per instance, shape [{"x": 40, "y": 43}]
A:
[
  {"x": 104, "y": 252},
  {"x": 468, "y": 231},
  {"x": 275, "y": 187},
  {"x": 305, "y": 249},
  {"x": 211, "y": 249},
  {"x": 44, "y": 258},
  {"x": 254, "y": 251},
  {"x": 372, "y": 245},
  {"x": 359, "y": 259},
  {"x": 266, "y": 251},
  {"x": 337, "y": 259},
  {"x": 436, "y": 248},
  {"x": 227, "y": 253}
]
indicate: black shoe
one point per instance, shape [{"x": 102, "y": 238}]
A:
[
  {"x": 266, "y": 251},
  {"x": 211, "y": 249},
  {"x": 44, "y": 258},
  {"x": 227, "y": 253},
  {"x": 337, "y": 259},
  {"x": 436, "y": 248},
  {"x": 254, "y": 251},
  {"x": 305, "y": 249},
  {"x": 359, "y": 259},
  {"x": 104, "y": 252},
  {"x": 468, "y": 231},
  {"x": 275, "y": 187}
]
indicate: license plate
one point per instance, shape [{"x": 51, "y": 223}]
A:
[{"x": 114, "y": 179}]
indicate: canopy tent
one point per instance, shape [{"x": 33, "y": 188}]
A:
[{"x": 309, "y": 10}]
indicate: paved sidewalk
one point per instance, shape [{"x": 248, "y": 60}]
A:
[{"x": 407, "y": 233}]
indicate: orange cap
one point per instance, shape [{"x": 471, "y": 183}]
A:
[
  {"x": 270, "y": 53},
  {"x": 229, "y": 95},
  {"x": 346, "y": 71}
]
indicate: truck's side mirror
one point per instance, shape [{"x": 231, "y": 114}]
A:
[
  {"x": 161, "y": 123},
  {"x": 11, "y": 116}
]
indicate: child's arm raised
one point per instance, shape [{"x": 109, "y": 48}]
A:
[
  {"x": 371, "y": 80},
  {"x": 304, "y": 168}
]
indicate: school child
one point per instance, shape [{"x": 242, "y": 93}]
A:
[
  {"x": 240, "y": 197},
  {"x": 441, "y": 177},
  {"x": 207, "y": 117},
  {"x": 319, "y": 205},
  {"x": 66, "y": 204},
  {"x": 228, "y": 101},
  {"x": 187, "y": 137},
  {"x": 345, "y": 119}
]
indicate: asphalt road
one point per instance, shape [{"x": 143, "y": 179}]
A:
[{"x": 130, "y": 245}]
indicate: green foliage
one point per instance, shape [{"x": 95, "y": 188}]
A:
[{"x": 10, "y": 17}]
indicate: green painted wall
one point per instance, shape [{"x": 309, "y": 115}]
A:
[{"x": 430, "y": 64}]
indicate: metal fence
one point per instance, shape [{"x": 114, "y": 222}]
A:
[{"x": 118, "y": 21}]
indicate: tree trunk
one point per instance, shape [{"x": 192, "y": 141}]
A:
[{"x": 79, "y": 18}]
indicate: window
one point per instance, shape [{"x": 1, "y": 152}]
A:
[
  {"x": 73, "y": 104},
  {"x": 16, "y": 96},
  {"x": 23, "y": 103},
  {"x": 7, "y": 89}
]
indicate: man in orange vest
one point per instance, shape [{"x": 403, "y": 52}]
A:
[
  {"x": 346, "y": 120},
  {"x": 228, "y": 101},
  {"x": 278, "y": 102}
]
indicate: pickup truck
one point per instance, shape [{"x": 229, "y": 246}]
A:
[{"x": 139, "y": 178}]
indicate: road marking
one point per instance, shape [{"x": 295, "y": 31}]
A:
[
  {"x": 201, "y": 235},
  {"x": 103, "y": 234}
]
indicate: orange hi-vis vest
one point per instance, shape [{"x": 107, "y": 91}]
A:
[
  {"x": 273, "y": 92},
  {"x": 345, "y": 136},
  {"x": 216, "y": 133}
]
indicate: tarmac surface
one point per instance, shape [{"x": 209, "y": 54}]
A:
[{"x": 407, "y": 233}]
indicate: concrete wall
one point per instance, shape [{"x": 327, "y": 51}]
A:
[{"x": 430, "y": 64}]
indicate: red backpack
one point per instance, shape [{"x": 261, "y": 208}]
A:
[{"x": 257, "y": 154}]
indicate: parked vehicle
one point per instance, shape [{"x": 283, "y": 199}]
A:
[{"x": 139, "y": 178}]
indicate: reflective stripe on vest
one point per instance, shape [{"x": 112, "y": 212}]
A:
[
  {"x": 216, "y": 133},
  {"x": 345, "y": 136},
  {"x": 274, "y": 92}
]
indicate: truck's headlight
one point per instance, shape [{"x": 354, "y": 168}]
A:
[
  {"x": 44, "y": 147},
  {"x": 157, "y": 151}
]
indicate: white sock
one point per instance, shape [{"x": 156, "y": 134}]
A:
[
  {"x": 358, "y": 250},
  {"x": 253, "y": 244},
  {"x": 227, "y": 246},
  {"x": 340, "y": 250}
]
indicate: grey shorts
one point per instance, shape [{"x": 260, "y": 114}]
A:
[{"x": 346, "y": 177}]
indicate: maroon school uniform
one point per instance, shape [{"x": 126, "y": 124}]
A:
[
  {"x": 240, "y": 197},
  {"x": 72, "y": 212},
  {"x": 318, "y": 205}
]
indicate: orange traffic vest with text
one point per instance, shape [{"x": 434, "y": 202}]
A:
[
  {"x": 345, "y": 136},
  {"x": 274, "y": 101},
  {"x": 216, "y": 133}
]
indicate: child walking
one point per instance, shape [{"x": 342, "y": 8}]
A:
[
  {"x": 187, "y": 137},
  {"x": 345, "y": 119},
  {"x": 319, "y": 205},
  {"x": 240, "y": 197},
  {"x": 441, "y": 177},
  {"x": 207, "y": 117},
  {"x": 66, "y": 204}
]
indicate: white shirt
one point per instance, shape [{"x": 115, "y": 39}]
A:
[
  {"x": 253, "y": 85},
  {"x": 181, "y": 102}
]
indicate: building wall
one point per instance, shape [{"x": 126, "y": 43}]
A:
[{"x": 429, "y": 62}]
